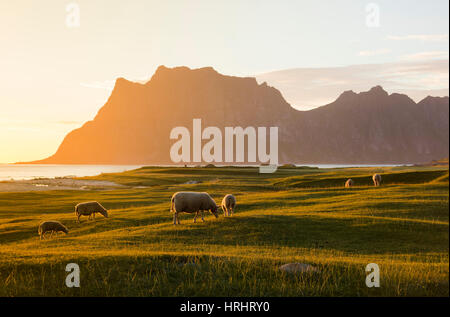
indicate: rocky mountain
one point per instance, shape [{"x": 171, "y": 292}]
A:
[{"x": 372, "y": 127}]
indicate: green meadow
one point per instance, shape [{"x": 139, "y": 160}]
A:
[{"x": 293, "y": 215}]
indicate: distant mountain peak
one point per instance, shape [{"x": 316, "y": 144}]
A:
[
  {"x": 180, "y": 69},
  {"x": 347, "y": 95},
  {"x": 121, "y": 80},
  {"x": 428, "y": 99},
  {"x": 166, "y": 73},
  {"x": 431, "y": 102},
  {"x": 122, "y": 85},
  {"x": 376, "y": 91},
  {"x": 371, "y": 127}
]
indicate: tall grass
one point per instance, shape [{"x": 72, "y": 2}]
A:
[{"x": 294, "y": 215}]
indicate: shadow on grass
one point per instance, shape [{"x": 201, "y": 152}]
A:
[
  {"x": 356, "y": 235},
  {"x": 202, "y": 276}
]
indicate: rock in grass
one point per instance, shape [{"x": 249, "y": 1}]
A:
[
  {"x": 192, "y": 182},
  {"x": 298, "y": 268}
]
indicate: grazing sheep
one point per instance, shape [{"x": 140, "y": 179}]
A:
[
  {"x": 192, "y": 202},
  {"x": 228, "y": 204},
  {"x": 376, "y": 179},
  {"x": 51, "y": 226},
  {"x": 89, "y": 209},
  {"x": 349, "y": 183}
]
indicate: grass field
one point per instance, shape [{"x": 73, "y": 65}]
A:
[{"x": 294, "y": 215}]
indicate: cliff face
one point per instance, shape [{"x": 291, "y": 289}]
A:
[{"x": 134, "y": 125}]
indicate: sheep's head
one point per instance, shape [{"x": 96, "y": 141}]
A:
[
  {"x": 104, "y": 213},
  {"x": 214, "y": 211},
  {"x": 65, "y": 230}
]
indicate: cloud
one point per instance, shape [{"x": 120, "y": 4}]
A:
[
  {"x": 420, "y": 37},
  {"x": 425, "y": 56},
  {"x": 375, "y": 52},
  {"x": 307, "y": 88}
]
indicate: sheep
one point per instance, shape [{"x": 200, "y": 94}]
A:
[
  {"x": 51, "y": 226},
  {"x": 192, "y": 202},
  {"x": 89, "y": 209},
  {"x": 228, "y": 204},
  {"x": 349, "y": 183},
  {"x": 376, "y": 179}
]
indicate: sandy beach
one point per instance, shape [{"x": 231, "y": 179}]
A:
[{"x": 41, "y": 184}]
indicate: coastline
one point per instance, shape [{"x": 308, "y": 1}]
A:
[{"x": 60, "y": 183}]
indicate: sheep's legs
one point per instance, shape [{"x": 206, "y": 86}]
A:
[
  {"x": 196, "y": 215},
  {"x": 175, "y": 218}
]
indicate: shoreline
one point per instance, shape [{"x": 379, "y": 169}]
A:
[
  {"x": 79, "y": 182},
  {"x": 61, "y": 183}
]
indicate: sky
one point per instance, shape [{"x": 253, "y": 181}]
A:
[
  {"x": 308, "y": 88},
  {"x": 56, "y": 73}
]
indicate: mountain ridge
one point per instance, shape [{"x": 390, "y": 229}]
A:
[{"x": 371, "y": 127}]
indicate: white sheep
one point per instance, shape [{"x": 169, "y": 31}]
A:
[
  {"x": 349, "y": 183},
  {"x": 51, "y": 226},
  {"x": 89, "y": 209},
  {"x": 192, "y": 202},
  {"x": 228, "y": 204},
  {"x": 376, "y": 179}
]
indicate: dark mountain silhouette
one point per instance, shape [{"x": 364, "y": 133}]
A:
[{"x": 371, "y": 127}]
